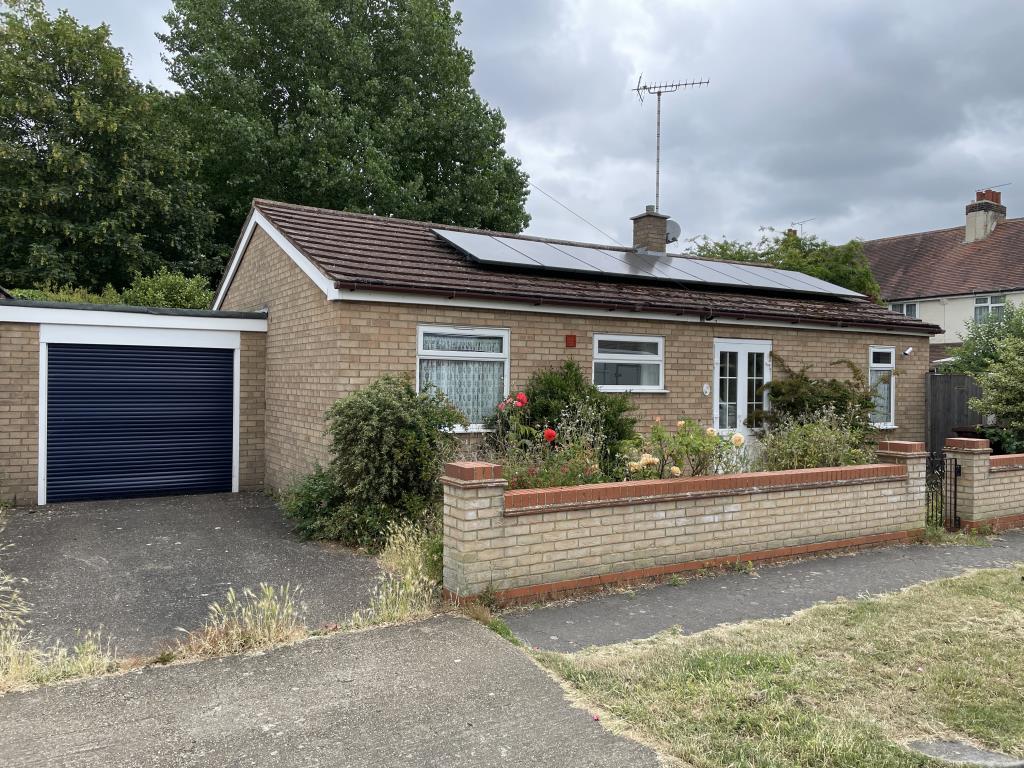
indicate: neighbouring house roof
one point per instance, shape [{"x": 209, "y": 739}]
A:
[
  {"x": 4, "y": 294},
  {"x": 361, "y": 252},
  {"x": 940, "y": 263}
]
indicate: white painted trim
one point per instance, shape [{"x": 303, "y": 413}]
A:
[
  {"x": 256, "y": 218},
  {"x": 139, "y": 337},
  {"x": 739, "y": 346},
  {"x": 236, "y": 415},
  {"x": 658, "y": 358},
  {"x": 142, "y": 337},
  {"x": 112, "y": 319},
  {"x": 44, "y": 361},
  {"x": 873, "y": 366},
  {"x": 462, "y": 330},
  {"x": 391, "y": 297}
]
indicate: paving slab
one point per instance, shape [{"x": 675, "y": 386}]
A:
[
  {"x": 445, "y": 692},
  {"x": 771, "y": 592},
  {"x": 141, "y": 568}
]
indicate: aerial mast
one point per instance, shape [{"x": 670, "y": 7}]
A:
[{"x": 659, "y": 89}]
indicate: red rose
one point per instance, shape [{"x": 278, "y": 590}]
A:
[
  {"x": 501, "y": 406},
  {"x": 550, "y": 435},
  {"x": 521, "y": 398},
  {"x": 517, "y": 404}
]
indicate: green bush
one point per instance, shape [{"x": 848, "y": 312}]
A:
[
  {"x": 554, "y": 392},
  {"x": 692, "y": 450},
  {"x": 168, "y": 289},
  {"x": 824, "y": 438},
  {"x": 795, "y": 395},
  {"x": 980, "y": 347},
  {"x": 1002, "y": 395},
  {"x": 388, "y": 446},
  {"x": 67, "y": 293}
]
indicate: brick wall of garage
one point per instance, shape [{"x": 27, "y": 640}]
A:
[
  {"x": 318, "y": 351},
  {"x": 252, "y": 411},
  {"x": 19, "y": 412}
]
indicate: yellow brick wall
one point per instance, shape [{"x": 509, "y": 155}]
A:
[
  {"x": 318, "y": 351},
  {"x": 19, "y": 412},
  {"x": 986, "y": 493},
  {"x": 251, "y": 411}
]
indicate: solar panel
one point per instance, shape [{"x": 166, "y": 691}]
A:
[{"x": 537, "y": 254}]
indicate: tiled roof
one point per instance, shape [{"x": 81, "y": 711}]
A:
[
  {"x": 366, "y": 252},
  {"x": 940, "y": 263}
]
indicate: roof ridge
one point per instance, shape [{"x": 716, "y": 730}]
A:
[
  {"x": 934, "y": 231},
  {"x": 434, "y": 225}
]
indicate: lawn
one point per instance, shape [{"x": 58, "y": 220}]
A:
[{"x": 841, "y": 684}]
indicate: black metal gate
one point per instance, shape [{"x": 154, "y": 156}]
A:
[{"x": 941, "y": 485}]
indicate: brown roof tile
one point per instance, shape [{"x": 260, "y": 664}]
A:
[
  {"x": 366, "y": 252},
  {"x": 940, "y": 263}
]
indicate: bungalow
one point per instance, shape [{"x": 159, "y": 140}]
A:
[{"x": 350, "y": 297}]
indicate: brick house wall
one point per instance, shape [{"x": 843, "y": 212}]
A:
[
  {"x": 252, "y": 361},
  {"x": 19, "y": 412},
  {"x": 320, "y": 350}
]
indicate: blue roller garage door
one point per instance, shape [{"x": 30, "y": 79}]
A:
[{"x": 137, "y": 421}]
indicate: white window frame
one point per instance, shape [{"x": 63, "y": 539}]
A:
[
  {"x": 740, "y": 346},
  {"x": 988, "y": 303},
  {"x": 459, "y": 330},
  {"x": 891, "y": 367},
  {"x": 903, "y": 306},
  {"x": 604, "y": 357}
]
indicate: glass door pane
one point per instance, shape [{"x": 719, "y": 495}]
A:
[
  {"x": 755, "y": 393},
  {"x": 728, "y": 389}
]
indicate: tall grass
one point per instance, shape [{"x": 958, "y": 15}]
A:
[
  {"x": 409, "y": 586},
  {"x": 256, "y": 620}
]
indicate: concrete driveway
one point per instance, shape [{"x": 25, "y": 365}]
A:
[{"x": 140, "y": 568}]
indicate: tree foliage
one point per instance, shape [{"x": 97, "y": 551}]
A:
[
  {"x": 1002, "y": 386},
  {"x": 347, "y": 104},
  {"x": 96, "y": 183},
  {"x": 980, "y": 346},
  {"x": 163, "y": 289},
  {"x": 843, "y": 265}
]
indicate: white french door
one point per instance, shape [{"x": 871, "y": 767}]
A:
[{"x": 742, "y": 368}]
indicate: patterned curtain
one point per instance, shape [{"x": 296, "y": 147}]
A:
[
  {"x": 881, "y": 386},
  {"x": 475, "y": 387},
  {"x": 445, "y": 342}
]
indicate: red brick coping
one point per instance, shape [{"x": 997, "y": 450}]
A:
[
  {"x": 1007, "y": 461},
  {"x": 900, "y": 446},
  {"x": 539, "y": 500},
  {"x": 560, "y": 589},
  {"x": 966, "y": 444}
]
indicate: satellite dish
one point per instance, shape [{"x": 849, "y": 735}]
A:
[{"x": 672, "y": 231}]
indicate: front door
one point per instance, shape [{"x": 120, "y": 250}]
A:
[{"x": 742, "y": 368}]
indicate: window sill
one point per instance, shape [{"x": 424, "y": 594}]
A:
[
  {"x": 472, "y": 429},
  {"x": 633, "y": 391},
  {"x": 885, "y": 426}
]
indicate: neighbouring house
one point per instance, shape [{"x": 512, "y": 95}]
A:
[
  {"x": 949, "y": 277},
  {"x": 106, "y": 401},
  {"x": 350, "y": 297}
]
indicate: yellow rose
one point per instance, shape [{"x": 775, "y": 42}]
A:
[
  {"x": 711, "y": 431},
  {"x": 681, "y": 423},
  {"x": 633, "y": 466},
  {"x": 737, "y": 439},
  {"x": 676, "y": 471}
]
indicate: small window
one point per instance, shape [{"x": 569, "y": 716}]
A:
[
  {"x": 470, "y": 365},
  {"x": 881, "y": 379},
  {"x": 908, "y": 308},
  {"x": 629, "y": 363},
  {"x": 988, "y": 306}
]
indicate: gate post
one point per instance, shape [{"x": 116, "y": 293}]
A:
[
  {"x": 974, "y": 458},
  {"x": 915, "y": 458}
]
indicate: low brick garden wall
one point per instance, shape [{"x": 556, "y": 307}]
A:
[
  {"x": 990, "y": 489},
  {"x": 528, "y": 544}
]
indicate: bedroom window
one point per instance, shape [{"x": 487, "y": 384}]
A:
[
  {"x": 629, "y": 363},
  {"x": 908, "y": 308},
  {"x": 988, "y": 306},
  {"x": 881, "y": 379},
  {"x": 470, "y": 365}
]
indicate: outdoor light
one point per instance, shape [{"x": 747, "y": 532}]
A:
[{"x": 908, "y": 351}]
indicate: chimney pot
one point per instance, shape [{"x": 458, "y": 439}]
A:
[{"x": 650, "y": 230}]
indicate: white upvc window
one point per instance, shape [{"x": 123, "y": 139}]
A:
[
  {"x": 624, "y": 363},
  {"x": 908, "y": 308},
  {"x": 470, "y": 365},
  {"x": 988, "y": 306},
  {"x": 742, "y": 368},
  {"x": 882, "y": 381}
]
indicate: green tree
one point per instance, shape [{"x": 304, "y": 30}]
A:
[
  {"x": 168, "y": 289},
  {"x": 94, "y": 183},
  {"x": 843, "y": 265},
  {"x": 980, "y": 346},
  {"x": 1002, "y": 386},
  {"x": 350, "y": 104}
]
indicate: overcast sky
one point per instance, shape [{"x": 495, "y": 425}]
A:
[{"x": 873, "y": 117}]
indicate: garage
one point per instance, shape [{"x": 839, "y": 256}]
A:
[
  {"x": 105, "y": 402},
  {"x": 137, "y": 420}
]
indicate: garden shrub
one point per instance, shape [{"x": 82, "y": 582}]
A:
[
  {"x": 1002, "y": 396},
  {"x": 824, "y": 438},
  {"x": 388, "y": 447},
  {"x": 692, "y": 450},
  {"x": 168, "y": 289},
  {"x": 553, "y": 394},
  {"x": 795, "y": 395}
]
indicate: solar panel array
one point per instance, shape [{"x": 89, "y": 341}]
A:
[{"x": 535, "y": 254}]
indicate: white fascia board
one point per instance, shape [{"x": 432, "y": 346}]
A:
[
  {"x": 142, "y": 337},
  {"x": 385, "y": 297},
  {"x": 112, "y": 319},
  {"x": 257, "y": 219}
]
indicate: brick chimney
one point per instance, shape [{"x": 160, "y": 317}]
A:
[
  {"x": 650, "y": 232},
  {"x": 983, "y": 215}
]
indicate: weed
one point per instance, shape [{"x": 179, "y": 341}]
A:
[
  {"x": 743, "y": 566},
  {"x": 481, "y": 613},
  {"x": 972, "y": 537},
  {"x": 409, "y": 585},
  {"x": 674, "y": 580},
  {"x": 255, "y": 621},
  {"x": 489, "y": 597},
  {"x": 410, "y": 547}
]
